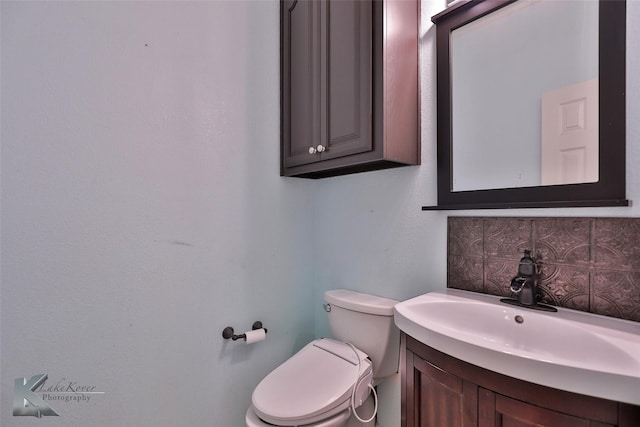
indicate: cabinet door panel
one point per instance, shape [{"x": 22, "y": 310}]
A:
[
  {"x": 442, "y": 398},
  {"x": 514, "y": 413},
  {"x": 348, "y": 107},
  {"x": 301, "y": 80}
]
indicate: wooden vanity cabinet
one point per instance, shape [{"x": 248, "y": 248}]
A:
[
  {"x": 349, "y": 86},
  {"x": 441, "y": 391}
]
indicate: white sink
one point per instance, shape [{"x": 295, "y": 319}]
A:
[{"x": 568, "y": 350}]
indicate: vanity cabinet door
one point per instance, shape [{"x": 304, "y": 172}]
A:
[
  {"x": 440, "y": 399},
  {"x": 501, "y": 411}
]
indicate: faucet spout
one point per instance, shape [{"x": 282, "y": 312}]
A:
[
  {"x": 527, "y": 292},
  {"x": 517, "y": 283}
]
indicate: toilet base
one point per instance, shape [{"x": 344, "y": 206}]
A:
[{"x": 342, "y": 419}]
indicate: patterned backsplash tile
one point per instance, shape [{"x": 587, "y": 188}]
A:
[{"x": 587, "y": 264}]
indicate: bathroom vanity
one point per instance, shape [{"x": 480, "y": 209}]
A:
[
  {"x": 441, "y": 391},
  {"x": 470, "y": 360}
]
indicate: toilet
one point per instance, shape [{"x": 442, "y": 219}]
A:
[{"x": 321, "y": 384}]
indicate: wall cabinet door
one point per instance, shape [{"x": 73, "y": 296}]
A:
[
  {"x": 327, "y": 79},
  {"x": 301, "y": 86},
  {"x": 346, "y": 100},
  {"x": 339, "y": 113}
]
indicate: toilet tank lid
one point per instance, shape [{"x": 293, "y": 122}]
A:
[{"x": 360, "y": 302}]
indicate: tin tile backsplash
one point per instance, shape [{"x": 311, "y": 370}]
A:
[{"x": 588, "y": 264}]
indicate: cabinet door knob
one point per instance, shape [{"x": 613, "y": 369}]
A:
[
  {"x": 321, "y": 148},
  {"x": 312, "y": 150}
]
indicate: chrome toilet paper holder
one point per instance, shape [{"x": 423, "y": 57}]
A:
[{"x": 228, "y": 331}]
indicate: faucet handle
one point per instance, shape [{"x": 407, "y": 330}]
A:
[{"x": 527, "y": 266}]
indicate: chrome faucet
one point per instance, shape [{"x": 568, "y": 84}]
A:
[{"x": 525, "y": 284}]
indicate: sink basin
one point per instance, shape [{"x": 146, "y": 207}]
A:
[{"x": 568, "y": 350}]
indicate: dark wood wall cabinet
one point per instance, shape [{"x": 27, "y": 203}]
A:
[
  {"x": 441, "y": 391},
  {"x": 349, "y": 86}
]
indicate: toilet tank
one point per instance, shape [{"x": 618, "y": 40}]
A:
[{"x": 366, "y": 321}]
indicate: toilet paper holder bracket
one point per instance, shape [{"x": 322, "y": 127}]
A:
[{"x": 228, "y": 331}]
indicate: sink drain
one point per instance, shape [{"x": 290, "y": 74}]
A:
[{"x": 519, "y": 319}]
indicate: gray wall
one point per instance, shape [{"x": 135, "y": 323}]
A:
[{"x": 142, "y": 211}]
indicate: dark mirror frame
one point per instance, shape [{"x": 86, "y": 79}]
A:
[{"x": 610, "y": 189}]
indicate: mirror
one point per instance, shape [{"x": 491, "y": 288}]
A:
[
  {"x": 515, "y": 79},
  {"x": 523, "y": 73}
]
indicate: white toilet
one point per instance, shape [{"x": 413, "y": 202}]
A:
[{"x": 315, "y": 387}]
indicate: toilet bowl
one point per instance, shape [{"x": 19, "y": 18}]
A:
[
  {"x": 342, "y": 419},
  {"x": 313, "y": 385},
  {"x": 321, "y": 384},
  {"x": 339, "y": 420}
]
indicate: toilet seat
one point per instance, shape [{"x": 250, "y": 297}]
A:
[{"x": 313, "y": 385}]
